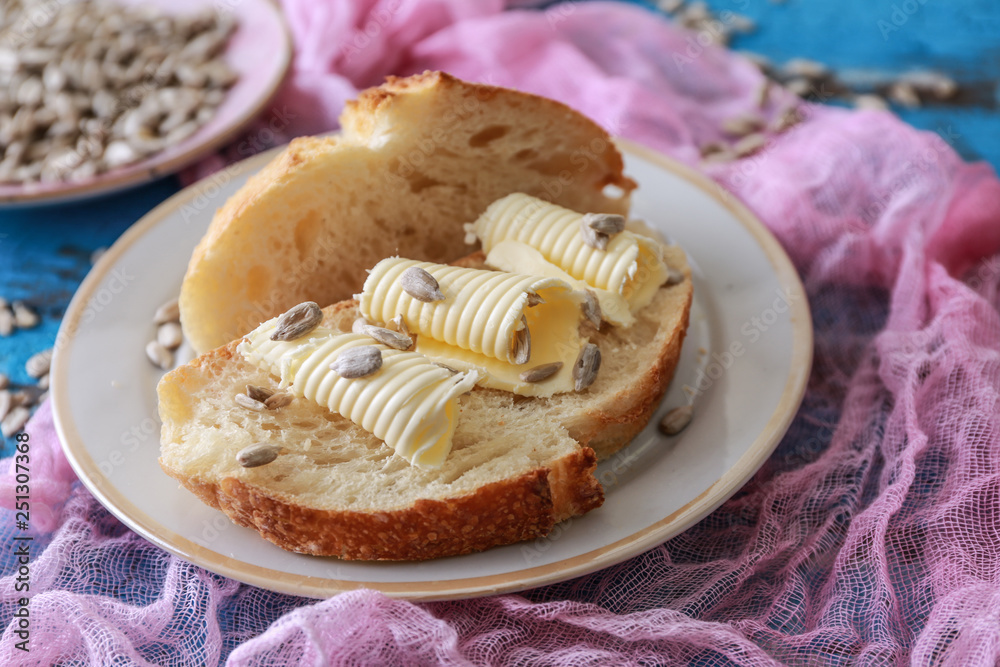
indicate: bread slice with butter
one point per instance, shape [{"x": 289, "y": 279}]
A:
[
  {"x": 517, "y": 466},
  {"x": 415, "y": 158}
]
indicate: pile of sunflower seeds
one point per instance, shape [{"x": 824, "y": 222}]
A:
[
  {"x": 88, "y": 85},
  {"x": 16, "y": 402},
  {"x": 810, "y": 80},
  {"x": 169, "y": 336}
]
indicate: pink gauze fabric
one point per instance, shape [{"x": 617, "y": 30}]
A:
[{"x": 871, "y": 536}]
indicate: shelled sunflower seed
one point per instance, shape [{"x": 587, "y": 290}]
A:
[
  {"x": 169, "y": 335},
  {"x": 258, "y": 454},
  {"x": 421, "y": 285},
  {"x": 39, "y": 363},
  {"x": 24, "y": 316},
  {"x": 357, "y": 362},
  {"x": 676, "y": 420},
  {"x": 14, "y": 421},
  {"x": 91, "y": 85}
]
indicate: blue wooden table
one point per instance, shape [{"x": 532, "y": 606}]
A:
[{"x": 45, "y": 251}]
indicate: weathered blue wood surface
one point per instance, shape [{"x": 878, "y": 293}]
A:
[{"x": 45, "y": 251}]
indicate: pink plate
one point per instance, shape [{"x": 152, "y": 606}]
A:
[{"x": 260, "y": 51}]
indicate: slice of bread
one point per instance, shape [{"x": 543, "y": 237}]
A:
[
  {"x": 518, "y": 465},
  {"x": 415, "y": 159}
]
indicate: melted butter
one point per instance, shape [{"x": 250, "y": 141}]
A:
[
  {"x": 631, "y": 266},
  {"x": 474, "y": 326},
  {"x": 518, "y": 257},
  {"x": 410, "y": 403}
]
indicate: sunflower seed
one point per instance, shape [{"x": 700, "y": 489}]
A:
[
  {"x": 168, "y": 312},
  {"x": 14, "y": 421},
  {"x": 790, "y": 117},
  {"x": 421, "y": 285},
  {"x": 43, "y": 382},
  {"x": 5, "y": 403},
  {"x": 24, "y": 316},
  {"x": 298, "y": 321},
  {"x": 159, "y": 355},
  {"x": 249, "y": 403},
  {"x": 872, "y": 102},
  {"x": 38, "y": 364},
  {"x": 169, "y": 335},
  {"x": 742, "y": 125},
  {"x": 259, "y": 393},
  {"x": 26, "y": 396},
  {"x": 742, "y": 24},
  {"x": 278, "y": 400},
  {"x": 593, "y": 238},
  {"x": 586, "y": 367},
  {"x": 800, "y": 87},
  {"x": 711, "y": 148},
  {"x": 674, "y": 277},
  {"x": 543, "y": 372},
  {"x": 904, "y": 94},
  {"x": 357, "y": 326},
  {"x": 358, "y": 362},
  {"x": 762, "y": 62},
  {"x": 520, "y": 347},
  {"x": 388, "y": 337},
  {"x": 591, "y": 308},
  {"x": 400, "y": 324},
  {"x": 750, "y": 144},
  {"x": 676, "y": 420},
  {"x": 534, "y": 299},
  {"x": 446, "y": 367},
  {"x": 258, "y": 454},
  {"x": 605, "y": 223},
  {"x": 6, "y": 322},
  {"x": 935, "y": 84},
  {"x": 804, "y": 67},
  {"x": 719, "y": 157}
]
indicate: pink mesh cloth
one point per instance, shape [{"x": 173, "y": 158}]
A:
[{"x": 871, "y": 536}]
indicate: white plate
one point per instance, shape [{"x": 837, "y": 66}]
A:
[
  {"x": 259, "y": 51},
  {"x": 748, "y": 355}
]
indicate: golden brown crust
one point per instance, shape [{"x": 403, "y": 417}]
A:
[
  {"x": 607, "y": 431},
  {"x": 503, "y": 512},
  {"x": 359, "y": 114}
]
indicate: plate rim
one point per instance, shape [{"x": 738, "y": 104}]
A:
[
  {"x": 149, "y": 169},
  {"x": 610, "y": 554}
]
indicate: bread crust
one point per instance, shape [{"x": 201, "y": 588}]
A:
[
  {"x": 217, "y": 300},
  {"x": 503, "y": 512}
]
